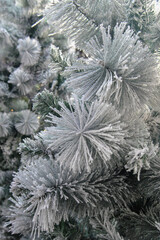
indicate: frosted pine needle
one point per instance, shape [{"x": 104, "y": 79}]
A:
[
  {"x": 22, "y": 81},
  {"x": 85, "y": 132},
  {"x": 80, "y": 19},
  {"x": 139, "y": 159},
  {"x": 29, "y": 50},
  {"x": 26, "y": 122},
  {"x": 5, "y": 124},
  {"x": 120, "y": 68},
  {"x": 52, "y": 194}
]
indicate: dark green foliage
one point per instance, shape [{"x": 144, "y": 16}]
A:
[
  {"x": 44, "y": 102},
  {"x": 9, "y": 157},
  {"x": 77, "y": 229},
  {"x": 143, "y": 225}
]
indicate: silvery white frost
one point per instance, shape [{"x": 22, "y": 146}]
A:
[
  {"x": 47, "y": 194},
  {"x": 29, "y": 50},
  {"x": 120, "y": 68},
  {"x": 71, "y": 18},
  {"x": 85, "y": 132},
  {"x": 5, "y": 124},
  {"x": 26, "y": 122},
  {"x": 140, "y": 158},
  {"x": 21, "y": 81}
]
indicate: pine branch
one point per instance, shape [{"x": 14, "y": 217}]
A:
[
  {"x": 47, "y": 188},
  {"x": 121, "y": 70},
  {"x": 76, "y": 23},
  {"x": 85, "y": 14},
  {"x": 44, "y": 102},
  {"x": 104, "y": 226},
  {"x": 85, "y": 135}
]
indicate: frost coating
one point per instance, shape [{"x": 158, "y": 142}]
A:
[
  {"x": 71, "y": 17},
  {"x": 121, "y": 69},
  {"x": 139, "y": 159},
  {"x": 29, "y": 50},
  {"x": 51, "y": 194},
  {"x": 5, "y": 124},
  {"x": 26, "y": 122},
  {"x": 85, "y": 132},
  {"x": 22, "y": 81}
]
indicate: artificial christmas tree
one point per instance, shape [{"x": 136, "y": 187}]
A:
[{"x": 93, "y": 172}]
